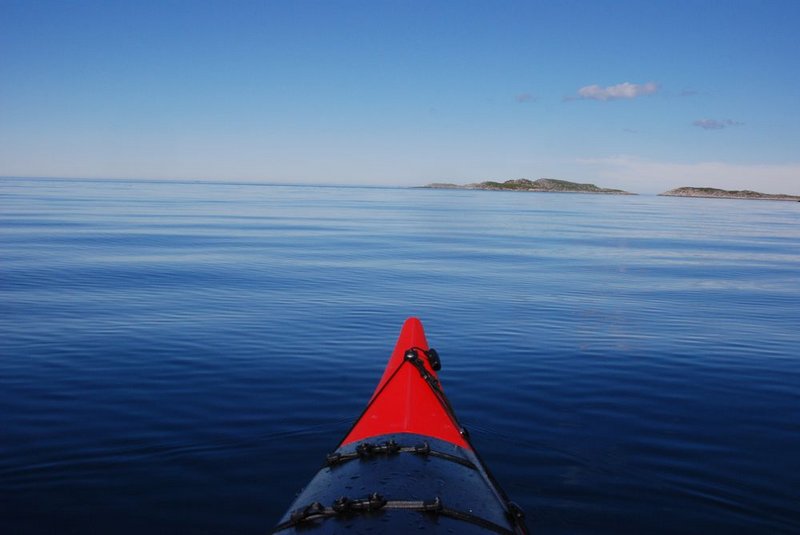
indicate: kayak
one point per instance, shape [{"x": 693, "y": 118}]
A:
[{"x": 406, "y": 464}]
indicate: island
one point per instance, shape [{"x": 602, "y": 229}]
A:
[
  {"x": 551, "y": 185},
  {"x": 715, "y": 193}
]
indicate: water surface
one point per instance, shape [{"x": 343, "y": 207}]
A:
[{"x": 178, "y": 357}]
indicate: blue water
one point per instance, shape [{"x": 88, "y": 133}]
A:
[{"x": 178, "y": 357}]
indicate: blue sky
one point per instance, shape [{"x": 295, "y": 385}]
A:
[{"x": 640, "y": 95}]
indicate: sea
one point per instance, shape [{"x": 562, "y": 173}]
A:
[{"x": 179, "y": 357}]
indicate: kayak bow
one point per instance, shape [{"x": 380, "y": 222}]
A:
[{"x": 406, "y": 464}]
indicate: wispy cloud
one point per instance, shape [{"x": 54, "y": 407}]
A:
[
  {"x": 524, "y": 97},
  {"x": 649, "y": 176},
  {"x": 715, "y": 124},
  {"x": 625, "y": 90}
]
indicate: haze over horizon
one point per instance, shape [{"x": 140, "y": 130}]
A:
[{"x": 640, "y": 96}]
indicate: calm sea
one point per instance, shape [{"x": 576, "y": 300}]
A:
[{"x": 179, "y": 357}]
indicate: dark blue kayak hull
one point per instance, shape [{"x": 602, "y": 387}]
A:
[
  {"x": 406, "y": 464},
  {"x": 426, "y": 484}
]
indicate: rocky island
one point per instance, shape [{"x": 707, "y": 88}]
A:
[
  {"x": 727, "y": 194},
  {"x": 541, "y": 185}
]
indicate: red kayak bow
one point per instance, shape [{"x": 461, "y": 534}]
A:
[{"x": 407, "y": 400}]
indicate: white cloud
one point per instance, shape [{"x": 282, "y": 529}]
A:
[
  {"x": 648, "y": 176},
  {"x": 625, "y": 90},
  {"x": 715, "y": 124}
]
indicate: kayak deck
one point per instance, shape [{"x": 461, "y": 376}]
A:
[
  {"x": 406, "y": 464},
  {"x": 403, "y": 402}
]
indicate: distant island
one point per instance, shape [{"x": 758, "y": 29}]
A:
[
  {"x": 523, "y": 184},
  {"x": 727, "y": 194}
]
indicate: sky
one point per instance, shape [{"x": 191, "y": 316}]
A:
[{"x": 639, "y": 95}]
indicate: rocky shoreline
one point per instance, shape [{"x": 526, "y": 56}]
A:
[
  {"x": 546, "y": 185},
  {"x": 715, "y": 193},
  {"x": 552, "y": 185}
]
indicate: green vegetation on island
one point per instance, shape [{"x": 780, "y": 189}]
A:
[
  {"x": 541, "y": 185},
  {"x": 715, "y": 193}
]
